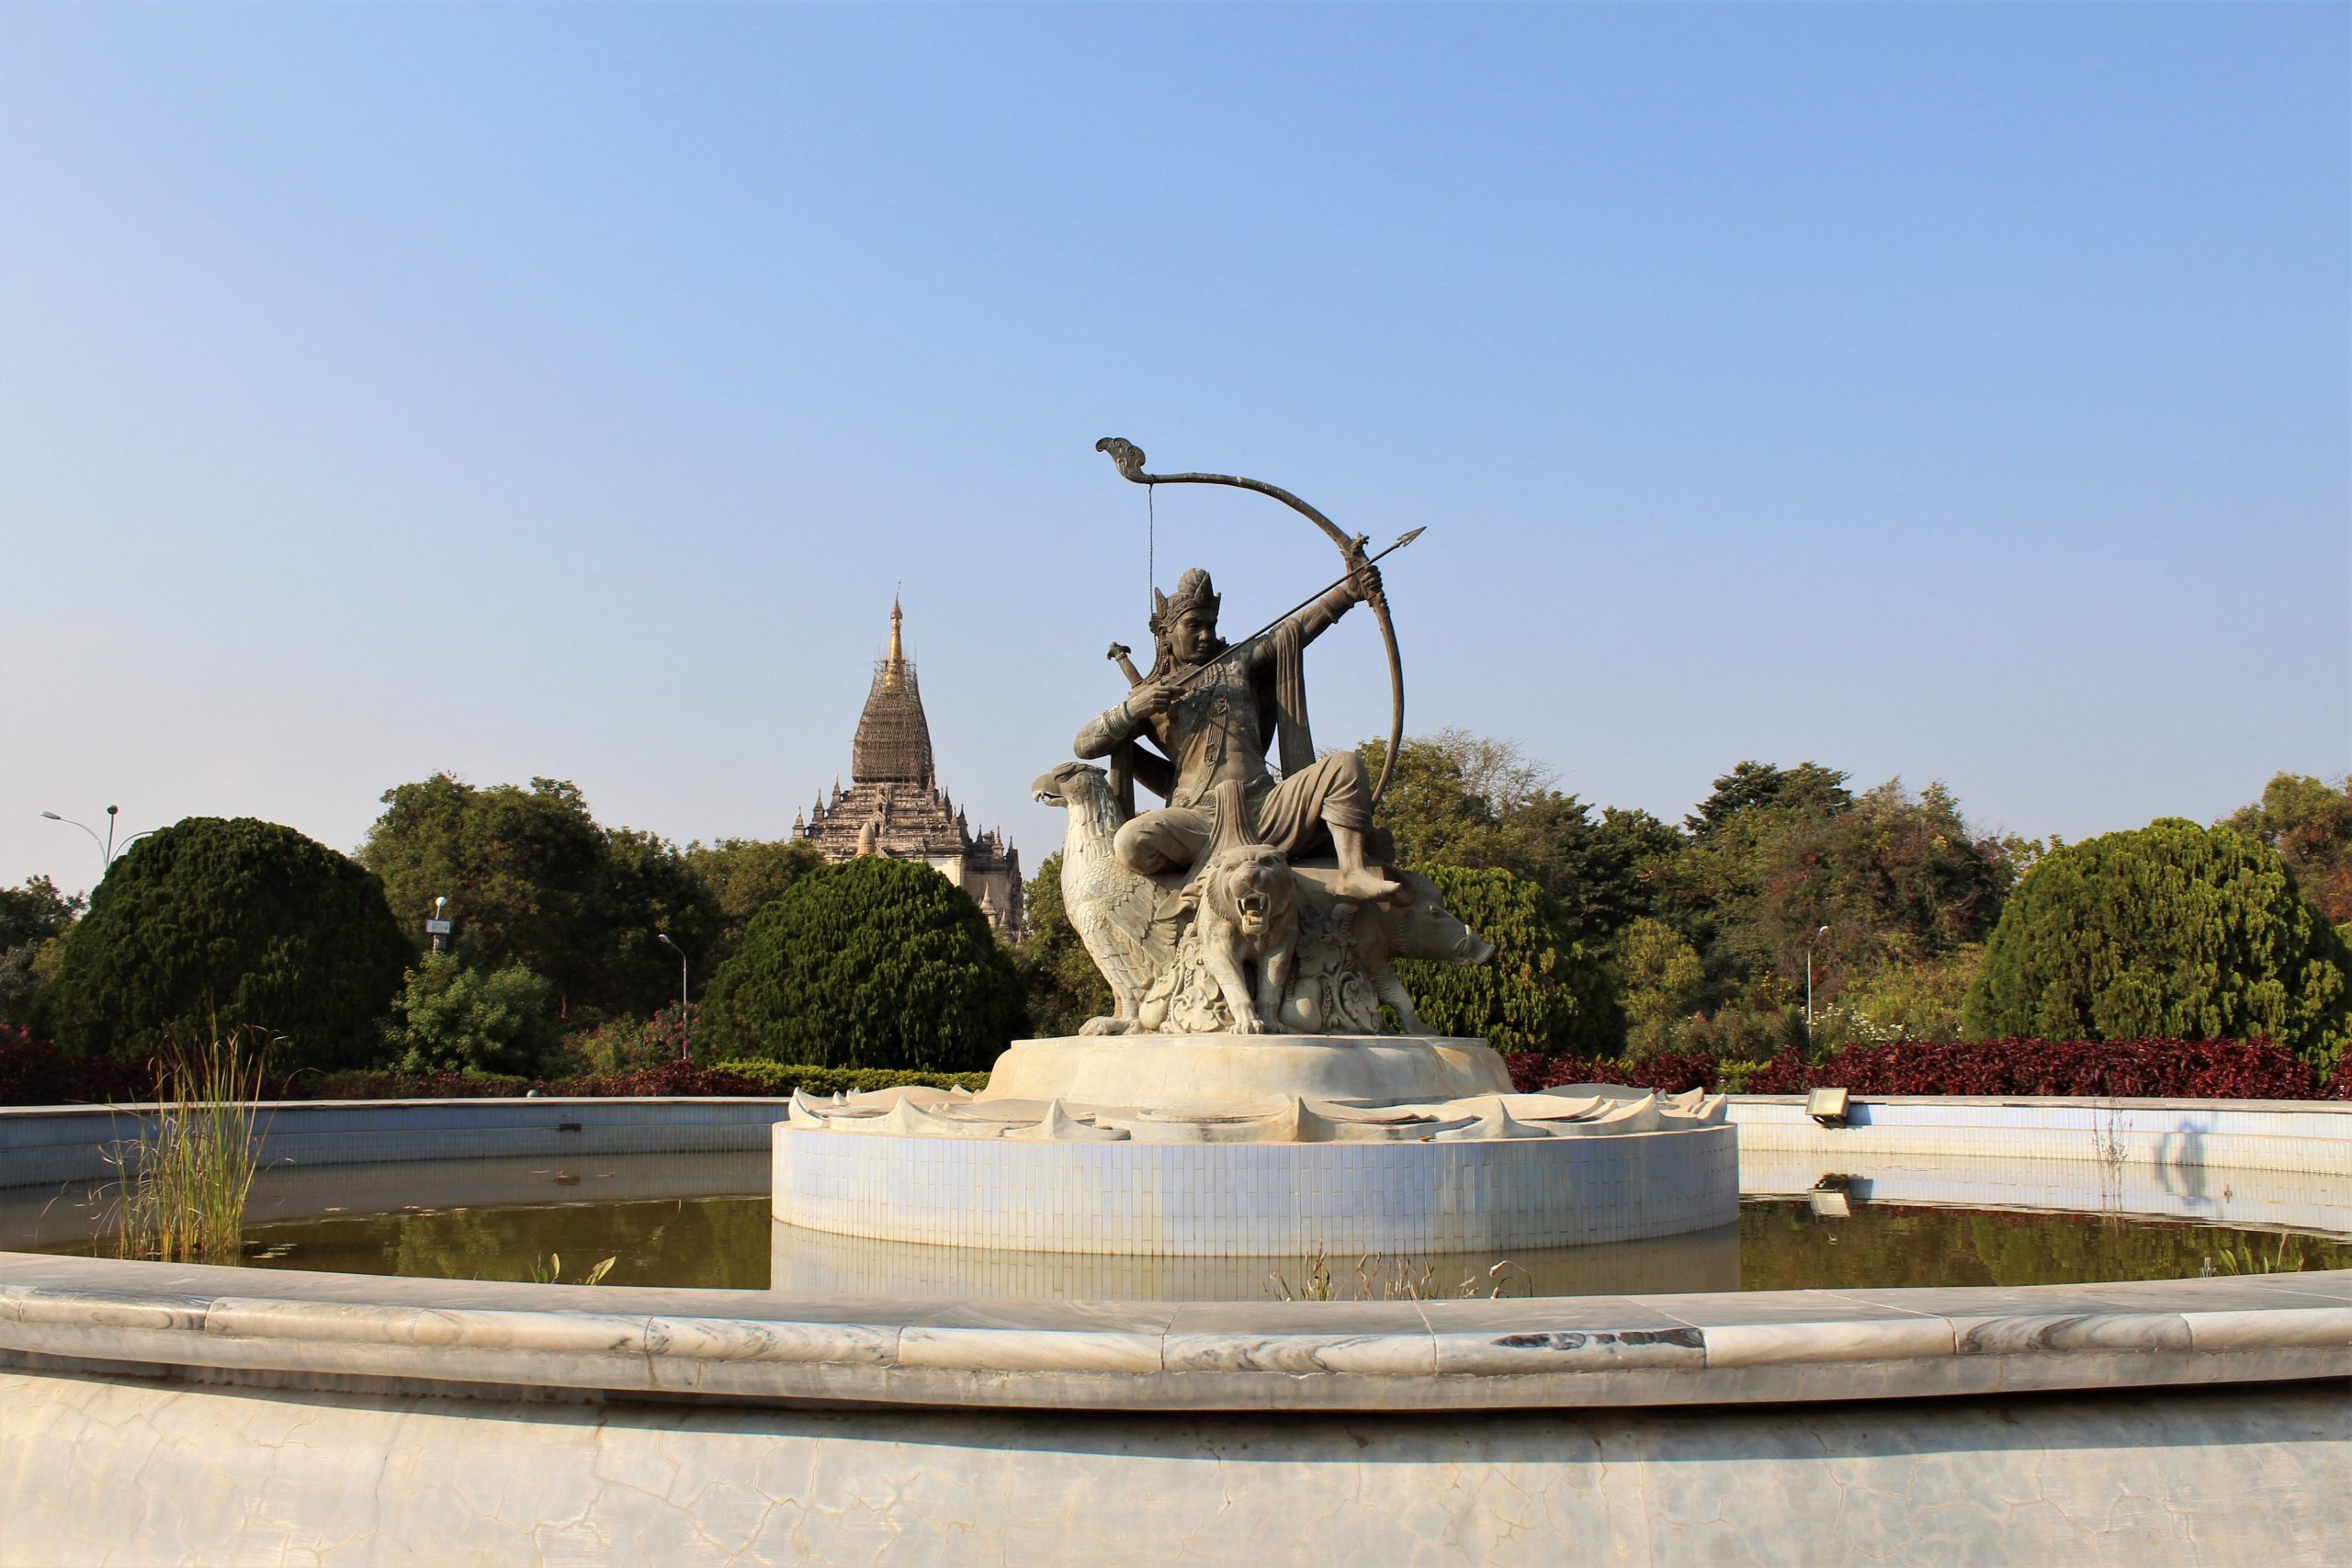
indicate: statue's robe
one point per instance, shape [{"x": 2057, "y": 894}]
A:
[{"x": 1289, "y": 813}]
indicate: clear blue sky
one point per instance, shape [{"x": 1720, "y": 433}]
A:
[{"x": 1955, "y": 392}]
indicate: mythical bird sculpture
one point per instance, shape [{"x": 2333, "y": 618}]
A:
[{"x": 1114, "y": 911}]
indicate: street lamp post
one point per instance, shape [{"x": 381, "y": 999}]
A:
[
  {"x": 107, "y": 851},
  {"x": 1808, "y": 976},
  {"x": 438, "y": 927},
  {"x": 664, "y": 938}
]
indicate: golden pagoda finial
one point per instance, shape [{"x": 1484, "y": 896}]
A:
[{"x": 894, "y": 673}]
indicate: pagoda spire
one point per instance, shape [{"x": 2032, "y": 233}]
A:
[
  {"x": 894, "y": 672},
  {"x": 893, "y": 741}
]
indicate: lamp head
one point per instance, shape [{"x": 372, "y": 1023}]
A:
[{"x": 52, "y": 816}]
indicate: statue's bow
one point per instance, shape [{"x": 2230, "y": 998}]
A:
[{"x": 1129, "y": 459}]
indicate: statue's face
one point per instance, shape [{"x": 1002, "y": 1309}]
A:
[{"x": 1192, "y": 635}]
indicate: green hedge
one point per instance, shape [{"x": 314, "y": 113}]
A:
[
  {"x": 869, "y": 963},
  {"x": 2174, "y": 931},
  {"x": 781, "y": 1077}
]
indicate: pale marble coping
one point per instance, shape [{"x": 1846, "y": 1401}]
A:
[
  {"x": 45, "y": 1143},
  {"x": 499, "y": 1339}
]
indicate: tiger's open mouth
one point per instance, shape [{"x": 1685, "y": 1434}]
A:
[{"x": 1251, "y": 907}]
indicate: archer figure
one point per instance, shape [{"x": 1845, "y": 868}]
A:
[{"x": 1213, "y": 708}]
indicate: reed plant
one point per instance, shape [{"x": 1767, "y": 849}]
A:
[
  {"x": 1380, "y": 1277},
  {"x": 2284, "y": 1255},
  {"x": 549, "y": 1270},
  {"x": 184, "y": 1187}
]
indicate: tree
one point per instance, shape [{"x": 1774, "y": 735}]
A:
[
  {"x": 1058, "y": 979},
  {"x": 35, "y": 912},
  {"x": 1435, "y": 811},
  {"x": 1899, "y": 879},
  {"x": 1752, "y": 835},
  {"x": 870, "y": 963},
  {"x": 1540, "y": 991},
  {"x": 2169, "y": 929},
  {"x": 453, "y": 1018},
  {"x": 213, "y": 924},
  {"x": 647, "y": 888},
  {"x": 743, "y": 877},
  {"x": 1808, "y": 787},
  {"x": 2309, "y": 824},
  {"x": 33, "y": 922},
  {"x": 1920, "y": 999},
  {"x": 1469, "y": 800},
  {"x": 531, "y": 879},
  {"x": 522, "y": 870},
  {"x": 1776, "y": 854},
  {"x": 1605, "y": 874},
  {"x": 1662, "y": 981}
]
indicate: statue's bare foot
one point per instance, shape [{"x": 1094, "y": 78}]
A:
[{"x": 1366, "y": 885}]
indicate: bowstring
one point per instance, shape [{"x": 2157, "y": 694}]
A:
[{"x": 1150, "y": 545}]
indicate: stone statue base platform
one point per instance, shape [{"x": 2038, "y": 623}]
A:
[
  {"x": 1235, "y": 1070},
  {"x": 1256, "y": 1146}
]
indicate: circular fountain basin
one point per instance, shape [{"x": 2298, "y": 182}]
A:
[{"x": 161, "y": 1412}]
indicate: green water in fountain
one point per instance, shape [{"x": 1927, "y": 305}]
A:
[{"x": 710, "y": 1228}]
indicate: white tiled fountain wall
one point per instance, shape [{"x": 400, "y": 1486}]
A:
[{"x": 1208, "y": 1200}]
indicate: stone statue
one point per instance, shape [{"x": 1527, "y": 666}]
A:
[
  {"x": 1250, "y": 903},
  {"x": 1210, "y": 708},
  {"x": 1114, "y": 909}
]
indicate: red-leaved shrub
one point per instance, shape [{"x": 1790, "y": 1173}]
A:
[
  {"x": 2148, "y": 1068},
  {"x": 1668, "y": 1071},
  {"x": 2145, "y": 1068},
  {"x": 669, "y": 1078},
  {"x": 398, "y": 1085},
  {"x": 33, "y": 1072}
]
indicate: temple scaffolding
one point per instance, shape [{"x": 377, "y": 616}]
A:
[{"x": 894, "y": 805}]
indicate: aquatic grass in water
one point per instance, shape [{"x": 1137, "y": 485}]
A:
[
  {"x": 184, "y": 1189},
  {"x": 1380, "y": 1277},
  {"x": 550, "y": 1272},
  {"x": 2284, "y": 1254}
]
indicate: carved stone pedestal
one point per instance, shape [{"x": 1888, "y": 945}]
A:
[
  {"x": 1238, "y": 1146},
  {"x": 1242, "y": 1071}
]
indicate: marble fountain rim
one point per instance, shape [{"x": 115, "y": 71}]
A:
[
  {"x": 286, "y": 1327},
  {"x": 510, "y": 1340}
]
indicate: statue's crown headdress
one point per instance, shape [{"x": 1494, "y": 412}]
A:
[{"x": 1193, "y": 591}]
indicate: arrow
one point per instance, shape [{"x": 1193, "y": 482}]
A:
[{"x": 1179, "y": 683}]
